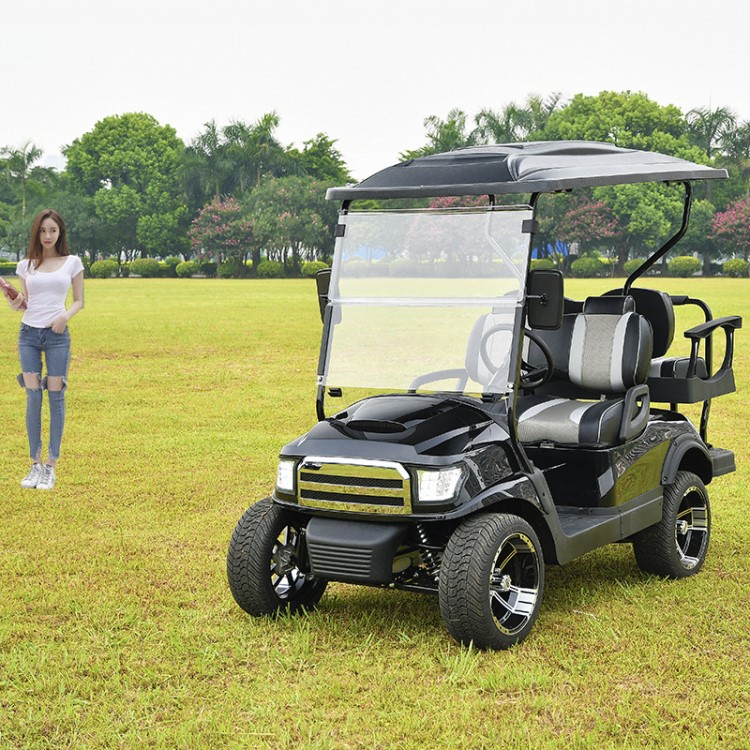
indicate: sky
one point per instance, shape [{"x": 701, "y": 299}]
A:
[{"x": 366, "y": 74}]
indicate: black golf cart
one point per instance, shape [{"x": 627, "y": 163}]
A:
[{"x": 497, "y": 425}]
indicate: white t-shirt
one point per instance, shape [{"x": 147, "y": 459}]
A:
[{"x": 47, "y": 290}]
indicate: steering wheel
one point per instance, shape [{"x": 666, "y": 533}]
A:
[{"x": 531, "y": 377}]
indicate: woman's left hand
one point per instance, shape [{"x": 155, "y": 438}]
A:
[{"x": 59, "y": 324}]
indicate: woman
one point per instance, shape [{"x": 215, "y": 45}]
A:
[{"x": 46, "y": 274}]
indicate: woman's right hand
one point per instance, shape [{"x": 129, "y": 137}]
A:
[{"x": 18, "y": 303}]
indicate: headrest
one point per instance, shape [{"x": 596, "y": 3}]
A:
[
  {"x": 608, "y": 305},
  {"x": 658, "y": 310}
]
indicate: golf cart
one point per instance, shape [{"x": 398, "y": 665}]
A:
[{"x": 498, "y": 425}]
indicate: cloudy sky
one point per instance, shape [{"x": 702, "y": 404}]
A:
[{"x": 365, "y": 73}]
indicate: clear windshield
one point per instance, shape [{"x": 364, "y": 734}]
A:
[{"x": 426, "y": 299}]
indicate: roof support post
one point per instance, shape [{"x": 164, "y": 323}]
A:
[{"x": 668, "y": 245}]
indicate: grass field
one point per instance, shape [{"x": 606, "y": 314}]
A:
[{"x": 117, "y": 629}]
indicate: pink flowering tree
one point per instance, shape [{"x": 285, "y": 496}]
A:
[
  {"x": 220, "y": 232},
  {"x": 589, "y": 223},
  {"x": 731, "y": 228}
]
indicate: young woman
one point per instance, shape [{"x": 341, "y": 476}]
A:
[{"x": 47, "y": 273}]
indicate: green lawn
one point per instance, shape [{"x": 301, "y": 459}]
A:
[{"x": 117, "y": 628}]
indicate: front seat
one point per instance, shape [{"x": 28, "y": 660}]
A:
[{"x": 608, "y": 359}]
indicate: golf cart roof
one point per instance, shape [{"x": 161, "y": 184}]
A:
[{"x": 533, "y": 167}]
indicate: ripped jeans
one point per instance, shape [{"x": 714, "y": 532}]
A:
[{"x": 32, "y": 342}]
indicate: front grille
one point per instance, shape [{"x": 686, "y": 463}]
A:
[{"x": 366, "y": 486}]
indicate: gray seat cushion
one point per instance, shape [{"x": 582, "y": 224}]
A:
[
  {"x": 562, "y": 421},
  {"x": 609, "y": 352}
]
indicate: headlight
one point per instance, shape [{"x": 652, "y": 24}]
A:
[
  {"x": 285, "y": 476},
  {"x": 438, "y": 486}
]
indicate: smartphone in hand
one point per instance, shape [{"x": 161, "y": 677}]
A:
[{"x": 9, "y": 290}]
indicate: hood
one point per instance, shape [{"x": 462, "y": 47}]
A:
[{"x": 427, "y": 425}]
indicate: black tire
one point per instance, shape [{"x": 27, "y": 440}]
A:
[
  {"x": 263, "y": 566},
  {"x": 491, "y": 581},
  {"x": 676, "y": 547}
]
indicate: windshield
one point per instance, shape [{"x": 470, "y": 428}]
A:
[{"x": 426, "y": 299}]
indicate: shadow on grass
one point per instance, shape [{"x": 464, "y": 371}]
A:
[{"x": 608, "y": 577}]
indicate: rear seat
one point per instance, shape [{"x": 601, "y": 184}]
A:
[
  {"x": 684, "y": 380},
  {"x": 671, "y": 379}
]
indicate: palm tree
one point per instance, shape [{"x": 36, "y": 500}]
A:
[
  {"x": 517, "y": 122},
  {"x": 206, "y": 166},
  {"x": 707, "y": 127},
  {"x": 256, "y": 151},
  {"x": 444, "y": 135},
  {"x": 735, "y": 145},
  {"x": 501, "y": 127},
  {"x": 19, "y": 165},
  {"x": 539, "y": 111}
]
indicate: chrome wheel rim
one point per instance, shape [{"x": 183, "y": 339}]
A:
[
  {"x": 514, "y": 583},
  {"x": 286, "y": 577},
  {"x": 691, "y": 528}
]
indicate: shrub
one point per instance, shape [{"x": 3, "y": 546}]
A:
[
  {"x": 7, "y": 268},
  {"x": 312, "y": 267},
  {"x": 125, "y": 270},
  {"x": 208, "y": 268},
  {"x": 632, "y": 264},
  {"x": 270, "y": 269},
  {"x": 186, "y": 269},
  {"x": 586, "y": 268},
  {"x": 146, "y": 267},
  {"x": 403, "y": 267},
  {"x": 103, "y": 269},
  {"x": 684, "y": 265},
  {"x": 538, "y": 264},
  {"x": 737, "y": 268},
  {"x": 356, "y": 267},
  {"x": 171, "y": 264},
  {"x": 232, "y": 269}
]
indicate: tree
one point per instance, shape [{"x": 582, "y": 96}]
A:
[
  {"x": 735, "y": 146},
  {"x": 206, "y": 166},
  {"x": 291, "y": 217},
  {"x": 221, "y": 232},
  {"x": 256, "y": 151},
  {"x": 516, "y": 122},
  {"x": 19, "y": 164},
  {"x": 649, "y": 214},
  {"x": 731, "y": 228},
  {"x": 698, "y": 238},
  {"x": 707, "y": 128},
  {"x": 590, "y": 224},
  {"x": 320, "y": 160},
  {"x": 629, "y": 120},
  {"x": 129, "y": 165},
  {"x": 444, "y": 135}
]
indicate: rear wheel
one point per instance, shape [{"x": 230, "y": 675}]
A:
[
  {"x": 491, "y": 581},
  {"x": 263, "y": 563},
  {"x": 676, "y": 547}
]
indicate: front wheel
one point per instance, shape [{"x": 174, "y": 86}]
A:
[
  {"x": 676, "y": 547},
  {"x": 491, "y": 581},
  {"x": 263, "y": 563}
]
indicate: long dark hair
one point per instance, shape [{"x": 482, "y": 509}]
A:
[{"x": 35, "y": 254}]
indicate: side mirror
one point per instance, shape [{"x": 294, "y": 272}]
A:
[
  {"x": 323, "y": 282},
  {"x": 544, "y": 299}
]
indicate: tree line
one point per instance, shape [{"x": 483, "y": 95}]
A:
[{"x": 236, "y": 197}]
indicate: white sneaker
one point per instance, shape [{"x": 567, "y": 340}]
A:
[
  {"x": 47, "y": 480},
  {"x": 31, "y": 480}
]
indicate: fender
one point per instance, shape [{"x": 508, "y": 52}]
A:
[{"x": 681, "y": 445}]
